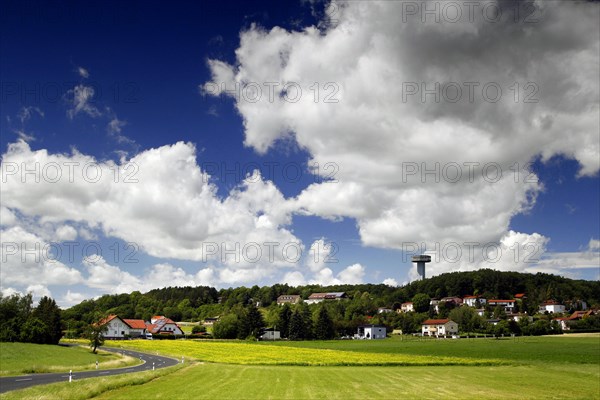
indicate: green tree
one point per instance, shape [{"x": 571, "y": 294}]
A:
[
  {"x": 253, "y": 323},
  {"x": 420, "y": 302},
  {"x": 324, "y": 329},
  {"x": 283, "y": 323},
  {"x": 95, "y": 334},
  {"x": 297, "y": 326},
  {"x": 198, "y": 329},
  {"x": 227, "y": 327},
  {"x": 48, "y": 312},
  {"x": 464, "y": 317},
  {"x": 34, "y": 331}
]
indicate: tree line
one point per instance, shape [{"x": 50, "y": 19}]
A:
[{"x": 21, "y": 322}]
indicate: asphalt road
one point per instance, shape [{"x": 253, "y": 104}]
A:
[{"x": 24, "y": 381}]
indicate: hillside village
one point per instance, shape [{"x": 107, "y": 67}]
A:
[
  {"x": 475, "y": 303},
  {"x": 498, "y": 317}
]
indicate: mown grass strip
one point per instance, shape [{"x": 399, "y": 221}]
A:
[
  {"x": 29, "y": 358},
  {"x": 88, "y": 388}
]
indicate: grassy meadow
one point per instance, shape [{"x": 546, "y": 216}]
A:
[
  {"x": 559, "y": 367},
  {"x": 27, "y": 358}
]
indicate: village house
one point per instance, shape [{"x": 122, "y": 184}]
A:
[
  {"x": 520, "y": 296},
  {"x": 519, "y": 316},
  {"x": 577, "y": 315},
  {"x": 472, "y": 301},
  {"x": 407, "y": 307},
  {"x": 270, "y": 334},
  {"x": 552, "y": 307},
  {"x": 116, "y": 328},
  {"x": 289, "y": 299},
  {"x": 119, "y": 328},
  {"x": 509, "y": 305},
  {"x": 319, "y": 297},
  {"x": 452, "y": 299},
  {"x": 210, "y": 321},
  {"x": 163, "y": 326},
  {"x": 434, "y": 303},
  {"x": 137, "y": 327},
  {"x": 383, "y": 310},
  {"x": 439, "y": 327},
  {"x": 370, "y": 332}
]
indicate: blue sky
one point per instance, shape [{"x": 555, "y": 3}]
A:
[{"x": 138, "y": 83}]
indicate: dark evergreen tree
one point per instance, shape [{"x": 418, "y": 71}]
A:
[
  {"x": 48, "y": 312},
  {"x": 285, "y": 315},
  {"x": 297, "y": 327},
  {"x": 324, "y": 329}
]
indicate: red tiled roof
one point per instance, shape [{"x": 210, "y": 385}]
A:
[
  {"x": 135, "y": 323},
  {"x": 471, "y": 297},
  {"x": 501, "y": 301},
  {"x": 317, "y": 296},
  {"x": 107, "y": 320},
  {"x": 407, "y": 303},
  {"x": 519, "y": 295},
  {"x": 435, "y": 321}
]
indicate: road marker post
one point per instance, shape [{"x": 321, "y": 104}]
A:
[
  {"x": 152, "y": 366},
  {"x": 70, "y": 375}
]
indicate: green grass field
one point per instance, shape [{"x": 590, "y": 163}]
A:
[
  {"x": 529, "y": 368},
  {"x": 26, "y": 358}
]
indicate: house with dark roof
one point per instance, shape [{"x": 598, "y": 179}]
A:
[
  {"x": 439, "y": 327},
  {"x": 472, "y": 301},
  {"x": 370, "y": 332},
  {"x": 319, "y": 297}
]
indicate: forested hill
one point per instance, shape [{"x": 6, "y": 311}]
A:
[{"x": 195, "y": 303}]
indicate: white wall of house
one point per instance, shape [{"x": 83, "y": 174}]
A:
[
  {"x": 449, "y": 328},
  {"x": 555, "y": 308},
  {"x": 472, "y": 301},
  {"x": 407, "y": 307},
  {"x": 116, "y": 329},
  {"x": 174, "y": 329},
  {"x": 271, "y": 335},
  {"x": 375, "y": 332},
  {"x": 313, "y": 301}
]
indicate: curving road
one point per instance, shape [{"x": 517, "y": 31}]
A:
[{"x": 24, "y": 381}]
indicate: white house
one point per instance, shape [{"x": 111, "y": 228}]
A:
[
  {"x": 439, "y": 327},
  {"x": 509, "y": 305},
  {"x": 116, "y": 328},
  {"x": 371, "y": 332},
  {"x": 407, "y": 307},
  {"x": 518, "y": 317},
  {"x": 163, "y": 325},
  {"x": 552, "y": 307},
  {"x": 471, "y": 301},
  {"x": 137, "y": 327},
  {"x": 270, "y": 334}
]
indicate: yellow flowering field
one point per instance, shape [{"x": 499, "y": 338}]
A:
[{"x": 253, "y": 354}]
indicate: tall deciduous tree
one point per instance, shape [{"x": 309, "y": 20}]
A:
[{"x": 420, "y": 302}]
